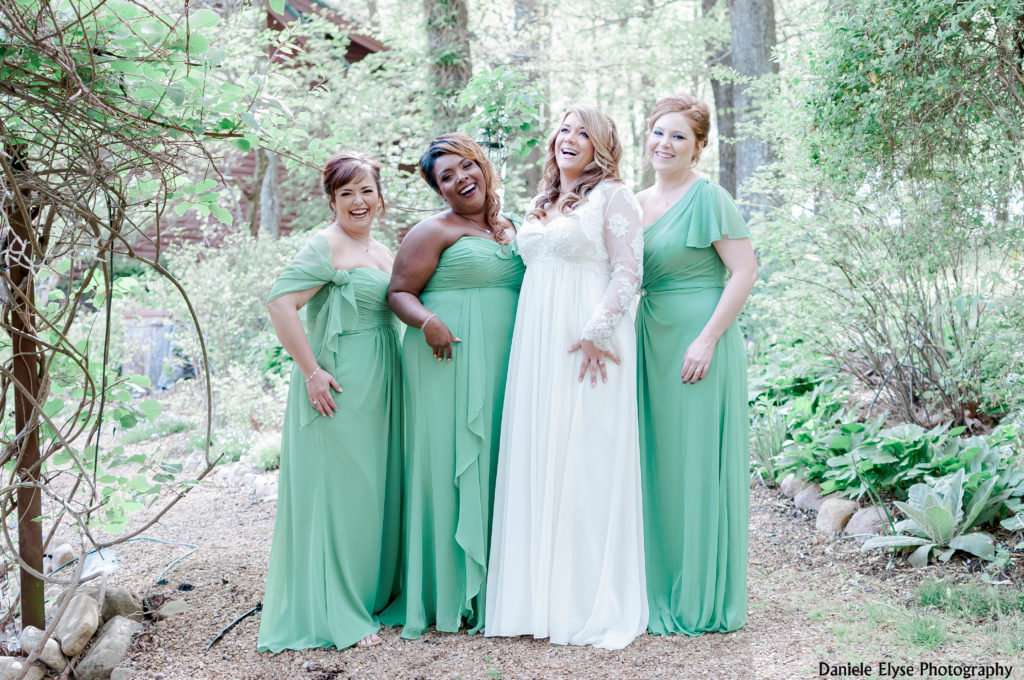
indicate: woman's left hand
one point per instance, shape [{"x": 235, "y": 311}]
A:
[
  {"x": 697, "y": 360},
  {"x": 593, "y": 360}
]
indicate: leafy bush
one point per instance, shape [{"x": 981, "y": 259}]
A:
[
  {"x": 899, "y": 217},
  {"x": 767, "y": 437},
  {"x": 265, "y": 452},
  {"x": 937, "y": 519}
]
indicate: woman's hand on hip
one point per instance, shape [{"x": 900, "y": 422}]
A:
[
  {"x": 439, "y": 338},
  {"x": 697, "y": 360},
  {"x": 318, "y": 391},
  {"x": 593, "y": 360}
]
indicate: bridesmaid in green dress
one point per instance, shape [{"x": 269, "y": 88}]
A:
[
  {"x": 334, "y": 559},
  {"x": 456, "y": 284},
  {"x": 692, "y": 386}
]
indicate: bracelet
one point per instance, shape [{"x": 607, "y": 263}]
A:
[
  {"x": 427, "y": 320},
  {"x": 318, "y": 369}
]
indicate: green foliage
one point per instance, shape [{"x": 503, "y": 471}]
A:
[
  {"x": 265, "y": 452},
  {"x": 938, "y": 518},
  {"x": 162, "y": 426},
  {"x": 228, "y": 287},
  {"x": 767, "y": 437},
  {"x": 899, "y": 220},
  {"x": 505, "y": 109},
  {"x": 925, "y": 87}
]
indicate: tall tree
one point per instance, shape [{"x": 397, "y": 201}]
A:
[
  {"x": 533, "y": 24},
  {"x": 752, "y": 26},
  {"x": 450, "y": 65},
  {"x": 21, "y": 260},
  {"x": 725, "y": 112}
]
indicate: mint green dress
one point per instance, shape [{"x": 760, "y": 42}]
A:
[
  {"x": 693, "y": 438},
  {"x": 334, "y": 558},
  {"x": 452, "y": 427}
]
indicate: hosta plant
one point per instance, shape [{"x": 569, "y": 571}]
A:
[{"x": 937, "y": 519}]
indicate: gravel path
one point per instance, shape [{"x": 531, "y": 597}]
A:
[{"x": 799, "y": 582}]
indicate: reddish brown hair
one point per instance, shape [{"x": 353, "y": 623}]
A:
[
  {"x": 345, "y": 166},
  {"x": 695, "y": 110}
]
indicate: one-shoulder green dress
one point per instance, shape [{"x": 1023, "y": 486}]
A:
[
  {"x": 452, "y": 427},
  {"x": 334, "y": 558},
  {"x": 694, "y": 439}
]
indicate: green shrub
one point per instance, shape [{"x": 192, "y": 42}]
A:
[
  {"x": 165, "y": 424},
  {"x": 265, "y": 452},
  {"x": 937, "y": 519}
]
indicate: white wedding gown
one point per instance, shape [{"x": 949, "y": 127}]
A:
[{"x": 567, "y": 559}]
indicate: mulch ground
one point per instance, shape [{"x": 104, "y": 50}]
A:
[{"x": 795, "y": 575}]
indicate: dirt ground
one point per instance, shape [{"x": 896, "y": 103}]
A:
[{"x": 807, "y": 604}]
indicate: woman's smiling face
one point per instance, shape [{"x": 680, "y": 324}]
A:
[{"x": 461, "y": 184}]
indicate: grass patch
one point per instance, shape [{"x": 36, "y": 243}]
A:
[
  {"x": 923, "y": 630},
  {"x": 1009, "y": 635},
  {"x": 968, "y": 600}
]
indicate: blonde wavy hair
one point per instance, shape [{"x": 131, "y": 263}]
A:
[
  {"x": 463, "y": 145},
  {"x": 607, "y": 154}
]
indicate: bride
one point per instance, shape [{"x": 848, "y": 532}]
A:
[{"x": 567, "y": 560}]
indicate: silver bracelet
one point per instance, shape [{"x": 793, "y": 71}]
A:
[
  {"x": 318, "y": 369},
  {"x": 426, "y": 321}
]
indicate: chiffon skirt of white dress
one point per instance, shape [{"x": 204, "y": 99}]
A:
[{"x": 567, "y": 559}]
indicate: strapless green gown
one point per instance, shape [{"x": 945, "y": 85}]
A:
[
  {"x": 334, "y": 558},
  {"x": 452, "y": 427},
  {"x": 694, "y": 439}
]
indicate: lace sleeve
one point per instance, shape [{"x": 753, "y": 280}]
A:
[{"x": 624, "y": 240}]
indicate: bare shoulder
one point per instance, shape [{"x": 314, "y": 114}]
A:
[
  {"x": 426, "y": 236},
  {"x": 644, "y": 195}
]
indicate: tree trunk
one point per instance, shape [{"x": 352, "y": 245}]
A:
[
  {"x": 752, "y": 24},
  {"x": 725, "y": 112},
  {"x": 450, "y": 65},
  {"x": 252, "y": 193},
  {"x": 26, "y": 362},
  {"x": 647, "y": 86},
  {"x": 270, "y": 203},
  {"x": 533, "y": 32}
]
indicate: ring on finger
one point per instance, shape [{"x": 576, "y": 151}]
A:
[{"x": 316, "y": 403}]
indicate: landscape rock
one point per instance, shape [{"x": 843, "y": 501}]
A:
[
  {"x": 833, "y": 515},
  {"x": 91, "y": 591},
  {"x": 76, "y": 627},
  {"x": 61, "y": 555},
  {"x": 10, "y": 667},
  {"x": 121, "y": 602},
  {"x": 51, "y": 654},
  {"x": 170, "y": 609},
  {"x": 121, "y": 673},
  {"x": 864, "y": 521},
  {"x": 809, "y": 498},
  {"x": 266, "y": 491},
  {"x": 791, "y": 485},
  {"x": 111, "y": 644}
]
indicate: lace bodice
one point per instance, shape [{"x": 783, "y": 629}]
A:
[{"x": 603, "y": 234}]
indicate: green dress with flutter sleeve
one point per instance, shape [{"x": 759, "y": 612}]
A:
[
  {"x": 334, "y": 558},
  {"x": 694, "y": 439},
  {"x": 452, "y": 426}
]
